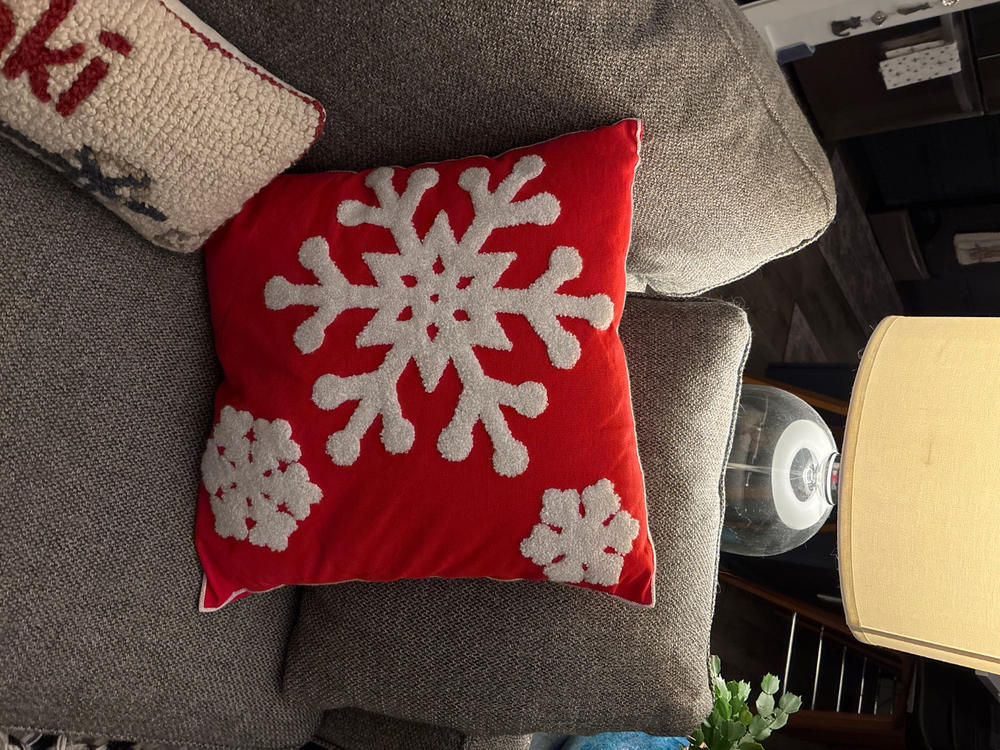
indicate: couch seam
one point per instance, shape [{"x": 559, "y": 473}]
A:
[
  {"x": 706, "y": 301},
  {"x": 743, "y": 274},
  {"x": 722, "y": 475}
]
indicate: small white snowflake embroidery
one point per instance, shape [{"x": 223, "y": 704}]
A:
[
  {"x": 575, "y": 546},
  {"x": 436, "y": 300},
  {"x": 257, "y": 488}
]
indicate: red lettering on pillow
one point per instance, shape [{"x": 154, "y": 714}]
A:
[
  {"x": 82, "y": 87},
  {"x": 92, "y": 75},
  {"x": 7, "y": 27},
  {"x": 33, "y": 57},
  {"x": 115, "y": 42}
]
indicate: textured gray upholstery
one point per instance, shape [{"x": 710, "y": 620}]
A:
[
  {"x": 494, "y": 658},
  {"x": 106, "y": 382},
  {"x": 106, "y": 377},
  {"x": 731, "y": 174},
  {"x": 351, "y": 729}
]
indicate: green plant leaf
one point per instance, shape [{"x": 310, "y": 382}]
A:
[
  {"x": 780, "y": 719},
  {"x": 770, "y": 684},
  {"x": 751, "y": 745},
  {"x": 757, "y": 726},
  {"x": 716, "y": 666},
  {"x": 738, "y": 691},
  {"x": 715, "y": 721},
  {"x": 721, "y": 743},
  {"x": 721, "y": 690},
  {"x": 764, "y": 735},
  {"x": 697, "y": 736},
  {"x": 746, "y": 717},
  {"x": 744, "y": 689},
  {"x": 765, "y": 705},
  {"x": 724, "y": 709},
  {"x": 790, "y": 703},
  {"x": 735, "y": 731},
  {"x": 708, "y": 734}
]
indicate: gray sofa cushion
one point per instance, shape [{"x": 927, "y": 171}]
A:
[
  {"x": 351, "y": 729},
  {"x": 731, "y": 174},
  {"x": 106, "y": 382},
  {"x": 494, "y": 658}
]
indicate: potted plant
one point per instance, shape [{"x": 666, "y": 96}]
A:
[{"x": 732, "y": 725}]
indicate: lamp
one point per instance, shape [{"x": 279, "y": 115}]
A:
[{"x": 919, "y": 515}]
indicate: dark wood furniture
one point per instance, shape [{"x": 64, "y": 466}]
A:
[{"x": 847, "y": 96}]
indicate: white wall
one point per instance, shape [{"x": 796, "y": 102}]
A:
[{"x": 786, "y": 22}]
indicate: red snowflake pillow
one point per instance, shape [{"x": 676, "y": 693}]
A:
[{"x": 423, "y": 377}]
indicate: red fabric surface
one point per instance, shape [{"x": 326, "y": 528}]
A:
[{"x": 414, "y": 513}]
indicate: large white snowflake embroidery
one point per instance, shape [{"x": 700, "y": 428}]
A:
[
  {"x": 573, "y": 545},
  {"x": 257, "y": 488},
  {"x": 435, "y": 300}
]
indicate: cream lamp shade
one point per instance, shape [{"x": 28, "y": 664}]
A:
[{"x": 919, "y": 517}]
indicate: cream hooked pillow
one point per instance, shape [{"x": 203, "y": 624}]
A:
[{"x": 148, "y": 109}]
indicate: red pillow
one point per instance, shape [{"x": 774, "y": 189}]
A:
[{"x": 423, "y": 377}]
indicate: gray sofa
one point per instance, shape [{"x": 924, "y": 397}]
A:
[{"x": 107, "y": 374}]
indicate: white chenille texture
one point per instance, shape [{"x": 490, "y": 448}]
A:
[
  {"x": 582, "y": 537},
  {"x": 258, "y": 490},
  {"x": 436, "y": 300}
]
